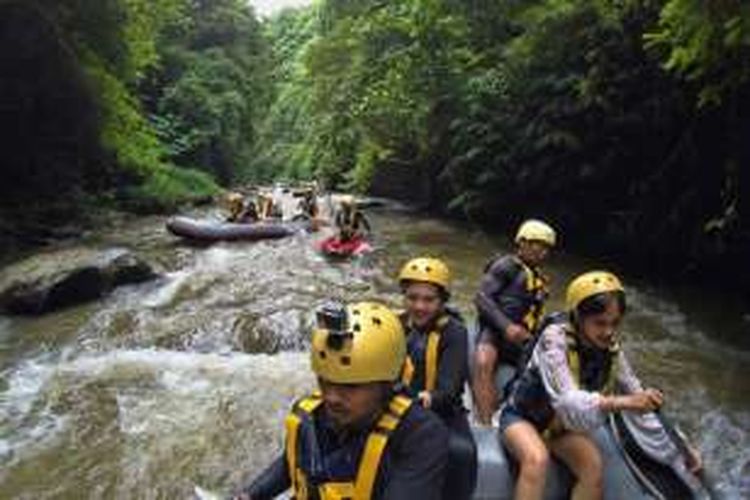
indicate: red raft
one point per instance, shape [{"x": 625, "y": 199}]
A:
[{"x": 333, "y": 247}]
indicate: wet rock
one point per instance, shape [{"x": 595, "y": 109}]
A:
[
  {"x": 63, "y": 278},
  {"x": 252, "y": 336}
]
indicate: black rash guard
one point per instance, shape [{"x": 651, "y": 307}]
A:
[{"x": 505, "y": 297}]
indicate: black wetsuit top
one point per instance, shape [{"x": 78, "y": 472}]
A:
[
  {"x": 504, "y": 298},
  {"x": 413, "y": 464}
]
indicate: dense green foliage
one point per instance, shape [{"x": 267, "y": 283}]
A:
[
  {"x": 211, "y": 87},
  {"x": 621, "y": 122},
  {"x": 149, "y": 102}
]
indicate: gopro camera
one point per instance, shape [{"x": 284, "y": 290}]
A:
[{"x": 333, "y": 318}]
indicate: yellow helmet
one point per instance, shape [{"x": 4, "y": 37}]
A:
[
  {"x": 234, "y": 202},
  {"x": 358, "y": 344},
  {"x": 536, "y": 230},
  {"x": 234, "y": 198},
  {"x": 589, "y": 284},
  {"x": 428, "y": 270},
  {"x": 346, "y": 200}
]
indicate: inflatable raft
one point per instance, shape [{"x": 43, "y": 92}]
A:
[
  {"x": 333, "y": 247},
  {"x": 209, "y": 230},
  {"x": 629, "y": 471},
  {"x": 623, "y": 479}
]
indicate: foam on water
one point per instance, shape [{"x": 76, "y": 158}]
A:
[{"x": 167, "y": 403}]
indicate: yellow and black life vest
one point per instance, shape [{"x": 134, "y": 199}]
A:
[
  {"x": 542, "y": 411},
  {"x": 522, "y": 299},
  {"x": 359, "y": 487},
  {"x": 536, "y": 288},
  {"x": 431, "y": 357},
  {"x": 348, "y": 222},
  {"x": 574, "y": 363}
]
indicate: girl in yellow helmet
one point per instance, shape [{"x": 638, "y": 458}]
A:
[
  {"x": 437, "y": 369},
  {"x": 576, "y": 375}
]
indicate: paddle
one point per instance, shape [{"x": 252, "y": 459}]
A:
[{"x": 708, "y": 483}]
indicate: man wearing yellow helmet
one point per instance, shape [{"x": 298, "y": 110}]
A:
[
  {"x": 575, "y": 376},
  {"x": 510, "y": 304},
  {"x": 308, "y": 204},
  {"x": 350, "y": 222},
  {"x": 437, "y": 366},
  {"x": 268, "y": 208},
  {"x": 235, "y": 205},
  {"x": 239, "y": 211},
  {"x": 357, "y": 437}
]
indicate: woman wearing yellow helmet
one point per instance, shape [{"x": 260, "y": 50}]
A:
[
  {"x": 436, "y": 369},
  {"x": 575, "y": 376},
  {"x": 357, "y": 437}
]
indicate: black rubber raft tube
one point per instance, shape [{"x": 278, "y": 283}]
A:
[
  {"x": 208, "y": 230},
  {"x": 496, "y": 474}
]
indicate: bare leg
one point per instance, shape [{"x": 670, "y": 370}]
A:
[
  {"x": 526, "y": 445},
  {"x": 582, "y": 456},
  {"x": 485, "y": 393}
]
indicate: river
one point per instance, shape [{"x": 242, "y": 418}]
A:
[{"x": 186, "y": 380}]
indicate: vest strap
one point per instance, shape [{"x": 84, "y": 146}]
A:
[
  {"x": 431, "y": 357},
  {"x": 574, "y": 362},
  {"x": 361, "y": 488},
  {"x": 302, "y": 409}
]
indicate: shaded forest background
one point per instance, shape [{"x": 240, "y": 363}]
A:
[{"x": 626, "y": 123}]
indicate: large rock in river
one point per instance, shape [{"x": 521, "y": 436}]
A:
[{"x": 63, "y": 278}]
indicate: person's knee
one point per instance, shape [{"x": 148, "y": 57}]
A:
[
  {"x": 534, "y": 462},
  {"x": 593, "y": 471}
]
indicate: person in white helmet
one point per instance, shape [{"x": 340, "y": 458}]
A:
[{"x": 510, "y": 304}]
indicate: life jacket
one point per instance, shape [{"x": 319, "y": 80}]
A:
[
  {"x": 345, "y": 483},
  {"x": 429, "y": 352},
  {"x": 553, "y": 318},
  {"x": 266, "y": 208},
  {"x": 591, "y": 369},
  {"x": 523, "y": 299},
  {"x": 309, "y": 206},
  {"x": 348, "y": 222}
]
